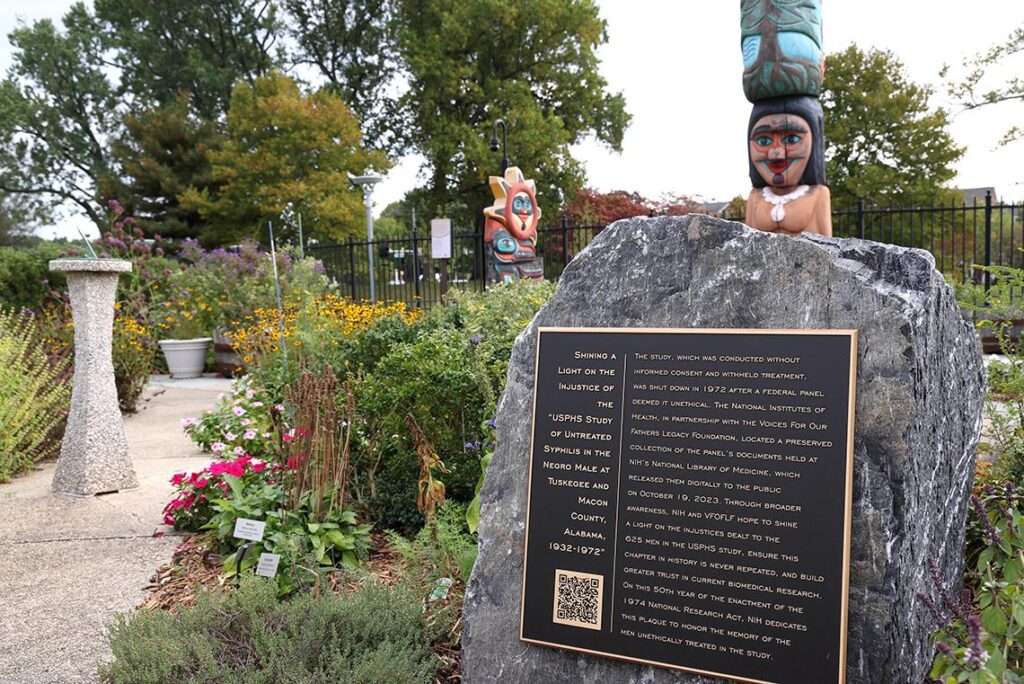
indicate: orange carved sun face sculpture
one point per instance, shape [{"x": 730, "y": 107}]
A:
[{"x": 780, "y": 149}]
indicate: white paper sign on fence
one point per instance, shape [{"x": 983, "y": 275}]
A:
[
  {"x": 441, "y": 238},
  {"x": 249, "y": 529},
  {"x": 267, "y": 566}
]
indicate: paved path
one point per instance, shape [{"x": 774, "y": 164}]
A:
[{"x": 67, "y": 565}]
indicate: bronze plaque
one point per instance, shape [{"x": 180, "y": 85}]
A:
[{"x": 690, "y": 496}]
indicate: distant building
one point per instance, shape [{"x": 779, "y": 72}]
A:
[
  {"x": 972, "y": 195},
  {"x": 715, "y": 208}
]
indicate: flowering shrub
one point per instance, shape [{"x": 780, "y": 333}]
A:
[
  {"x": 325, "y": 316},
  {"x": 246, "y": 422},
  {"x": 133, "y": 353},
  {"x": 191, "y": 508}
]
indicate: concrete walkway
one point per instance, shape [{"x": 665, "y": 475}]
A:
[{"x": 67, "y": 565}]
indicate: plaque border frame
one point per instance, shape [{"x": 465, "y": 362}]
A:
[{"x": 844, "y": 614}]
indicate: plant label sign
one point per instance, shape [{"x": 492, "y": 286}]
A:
[
  {"x": 267, "y": 565},
  {"x": 250, "y": 530},
  {"x": 690, "y": 499}
]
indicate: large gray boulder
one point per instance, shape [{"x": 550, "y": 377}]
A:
[{"x": 919, "y": 398}]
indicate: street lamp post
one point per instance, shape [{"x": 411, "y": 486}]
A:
[
  {"x": 504, "y": 143},
  {"x": 367, "y": 182}
]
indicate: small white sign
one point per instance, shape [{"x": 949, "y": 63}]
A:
[
  {"x": 249, "y": 529},
  {"x": 441, "y": 238},
  {"x": 267, "y": 567}
]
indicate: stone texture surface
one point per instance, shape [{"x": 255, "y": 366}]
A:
[
  {"x": 920, "y": 389},
  {"x": 94, "y": 454}
]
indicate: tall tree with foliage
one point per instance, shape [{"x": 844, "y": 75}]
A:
[
  {"x": 532, "y": 63},
  {"x": 285, "y": 153},
  {"x": 886, "y": 143},
  {"x": 200, "y": 48},
  {"x": 351, "y": 45},
  {"x": 163, "y": 152},
  {"x": 975, "y": 90},
  {"x": 57, "y": 110}
]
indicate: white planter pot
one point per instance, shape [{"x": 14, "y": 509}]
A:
[{"x": 185, "y": 358}]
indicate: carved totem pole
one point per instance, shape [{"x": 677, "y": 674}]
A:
[
  {"x": 784, "y": 67},
  {"x": 510, "y": 229}
]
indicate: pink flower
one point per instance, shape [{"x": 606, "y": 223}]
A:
[
  {"x": 230, "y": 436},
  {"x": 235, "y": 469},
  {"x": 239, "y": 451},
  {"x": 200, "y": 483},
  {"x": 238, "y": 411},
  {"x": 246, "y": 422},
  {"x": 249, "y": 394},
  {"x": 279, "y": 408},
  {"x": 177, "y": 479},
  {"x": 219, "y": 468},
  {"x": 257, "y": 466},
  {"x": 186, "y": 423},
  {"x": 249, "y": 434},
  {"x": 218, "y": 447},
  {"x": 289, "y": 436}
]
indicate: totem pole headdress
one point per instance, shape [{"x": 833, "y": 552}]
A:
[{"x": 784, "y": 67}]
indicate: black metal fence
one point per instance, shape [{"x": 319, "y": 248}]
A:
[{"x": 964, "y": 238}]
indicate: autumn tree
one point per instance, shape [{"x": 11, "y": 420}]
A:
[
  {"x": 161, "y": 153},
  {"x": 532, "y": 63},
  {"x": 886, "y": 142},
  {"x": 285, "y": 151},
  {"x": 57, "y": 109},
  {"x": 591, "y": 207},
  {"x": 975, "y": 89}
]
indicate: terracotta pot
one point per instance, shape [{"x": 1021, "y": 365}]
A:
[
  {"x": 227, "y": 360},
  {"x": 185, "y": 358}
]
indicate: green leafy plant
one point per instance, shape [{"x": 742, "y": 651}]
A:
[
  {"x": 375, "y": 635},
  {"x": 981, "y": 640},
  {"x": 34, "y": 395},
  {"x": 304, "y": 543}
]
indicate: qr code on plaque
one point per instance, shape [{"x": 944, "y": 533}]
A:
[{"x": 578, "y": 599}]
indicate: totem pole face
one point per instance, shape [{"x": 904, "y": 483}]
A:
[
  {"x": 520, "y": 206},
  {"x": 782, "y": 48},
  {"x": 781, "y": 146}
]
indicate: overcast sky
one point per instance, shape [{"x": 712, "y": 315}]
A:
[{"x": 678, "y": 63}]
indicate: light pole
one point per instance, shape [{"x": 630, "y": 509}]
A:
[
  {"x": 504, "y": 143},
  {"x": 366, "y": 182}
]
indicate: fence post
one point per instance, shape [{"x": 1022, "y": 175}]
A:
[
  {"x": 565, "y": 241},
  {"x": 415, "y": 267},
  {"x": 352, "y": 265},
  {"x": 861, "y": 224},
  {"x": 483, "y": 260},
  {"x": 988, "y": 239}
]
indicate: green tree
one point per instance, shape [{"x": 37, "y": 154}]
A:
[
  {"x": 532, "y": 63},
  {"x": 163, "y": 152},
  {"x": 285, "y": 152},
  {"x": 351, "y": 45},
  {"x": 57, "y": 109},
  {"x": 886, "y": 143},
  {"x": 974, "y": 90},
  {"x": 201, "y": 48}
]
